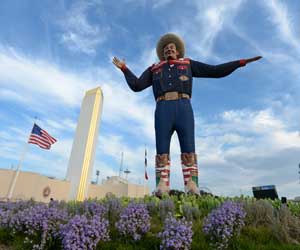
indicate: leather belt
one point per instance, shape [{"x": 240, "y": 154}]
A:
[{"x": 170, "y": 96}]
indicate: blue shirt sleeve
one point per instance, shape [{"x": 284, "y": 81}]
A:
[
  {"x": 138, "y": 84},
  {"x": 200, "y": 69}
]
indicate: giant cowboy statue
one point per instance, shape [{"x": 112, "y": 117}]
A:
[{"x": 171, "y": 80}]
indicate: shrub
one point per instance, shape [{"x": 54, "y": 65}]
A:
[
  {"x": 114, "y": 208},
  {"x": 223, "y": 223},
  {"x": 165, "y": 207},
  {"x": 134, "y": 221},
  {"x": 83, "y": 233},
  {"x": 283, "y": 224},
  {"x": 190, "y": 212},
  {"x": 91, "y": 208},
  {"x": 176, "y": 234},
  {"x": 39, "y": 223},
  {"x": 286, "y": 227},
  {"x": 259, "y": 213}
]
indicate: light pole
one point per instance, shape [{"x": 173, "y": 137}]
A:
[
  {"x": 126, "y": 173},
  {"x": 97, "y": 174}
]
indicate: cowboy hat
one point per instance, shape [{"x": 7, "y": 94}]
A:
[{"x": 165, "y": 40}]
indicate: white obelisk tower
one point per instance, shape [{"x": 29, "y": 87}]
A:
[{"x": 84, "y": 145}]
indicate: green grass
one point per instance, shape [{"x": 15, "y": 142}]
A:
[{"x": 260, "y": 238}]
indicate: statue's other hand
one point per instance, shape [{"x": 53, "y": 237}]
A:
[
  {"x": 249, "y": 60},
  {"x": 118, "y": 63}
]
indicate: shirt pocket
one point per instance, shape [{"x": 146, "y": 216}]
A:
[
  {"x": 182, "y": 73},
  {"x": 181, "y": 69},
  {"x": 157, "y": 74}
]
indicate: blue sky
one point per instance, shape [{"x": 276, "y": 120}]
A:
[{"x": 247, "y": 124}]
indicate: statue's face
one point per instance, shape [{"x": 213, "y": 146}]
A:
[{"x": 170, "y": 51}]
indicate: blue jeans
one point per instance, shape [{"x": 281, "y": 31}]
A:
[{"x": 173, "y": 116}]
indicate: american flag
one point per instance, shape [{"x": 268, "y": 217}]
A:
[
  {"x": 146, "y": 175},
  {"x": 41, "y": 138}
]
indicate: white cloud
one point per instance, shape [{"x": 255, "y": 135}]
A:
[
  {"x": 246, "y": 148},
  {"x": 260, "y": 122},
  {"x": 161, "y": 3},
  {"x": 76, "y": 42},
  {"x": 80, "y": 35},
  {"x": 282, "y": 59},
  {"x": 8, "y": 150},
  {"x": 61, "y": 124},
  {"x": 42, "y": 162},
  {"x": 276, "y": 58},
  {"x": 133, "y": 157},
  {"x": 279, "y": 15},
  {"x": 235, "y": 155},
  {"x": 246, "y": 132},
  {"x": 122, "y": 106},
  {"x": 62, "y": 88},
  {"x": 40, "y": 79},
  {"x": 211, "y": 19},
  {"x": 62, "y": 148},
  {"x": 7, "y": 94},
  {"x": 122, "y": 109},
  {"x": 105, "y": 171}
]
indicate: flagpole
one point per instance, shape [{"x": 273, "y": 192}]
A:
[
  {"x": 14, "y": 181},
  {"x": 144, "y": 186},
  {"x": 145, "y": 172},
  {"x": 17, "y": 172}
]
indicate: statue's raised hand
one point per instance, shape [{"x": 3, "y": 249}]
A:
[
  {"x": 118, "y": 63},
  {"x": 249, "y": 60}
]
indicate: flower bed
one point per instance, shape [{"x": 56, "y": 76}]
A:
[{"x": 175, "y": 222}]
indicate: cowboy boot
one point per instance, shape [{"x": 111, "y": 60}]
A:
[
  {"x": 162, "y": 173},
  {"x": 190, "y": 172}
]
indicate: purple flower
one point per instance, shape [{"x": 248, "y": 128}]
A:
[
  {"x": 39, "y": 222},
  {"x": 222, "y": 223},
  {"x": 176, "y": 234},
  {"x": 83, "y": 233},
  {"x": 4, "y": 217},
  {"x": 8, "y": 209},
  {"x": 91, "y": 208},
  {"x": 134, "y": 221}
]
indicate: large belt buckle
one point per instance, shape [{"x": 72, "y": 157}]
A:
[
  {"x": 169, "y": 96},
  {"x": 183, "y": 95}
]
